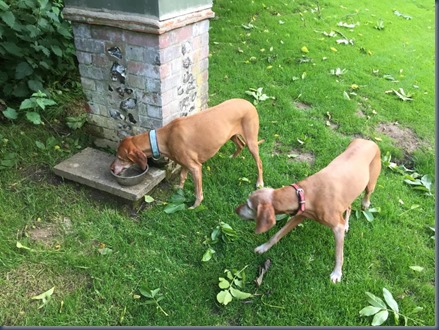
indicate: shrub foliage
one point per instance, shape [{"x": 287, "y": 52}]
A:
[{"x": 36, "y": 43}]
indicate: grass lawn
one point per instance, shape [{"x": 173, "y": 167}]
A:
[{"x": 103, "y": 257}]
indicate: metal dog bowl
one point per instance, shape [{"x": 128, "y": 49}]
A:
[{"x": 131, "y": 176}]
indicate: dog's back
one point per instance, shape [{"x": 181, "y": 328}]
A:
[{"x": 348, "y": 174}]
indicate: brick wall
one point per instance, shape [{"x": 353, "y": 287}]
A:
[{"x": 135, "y": 81}]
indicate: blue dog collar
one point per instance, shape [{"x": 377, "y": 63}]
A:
[{"x": 154, "y": 145}]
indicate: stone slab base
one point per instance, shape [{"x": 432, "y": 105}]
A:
[{"x": 91, "y": 167}]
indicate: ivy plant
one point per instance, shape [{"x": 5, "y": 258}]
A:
[
  {"x": 231, "y": 286},
  {"x": 36, "y": 43},
  {"x": 381, "y": 309},
  {"x": 222, "y": 232},
  {"x": 31, "y": 107}
]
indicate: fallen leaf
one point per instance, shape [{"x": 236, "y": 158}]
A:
[
  {"x": 148, "y": 199},
  {"x": 330, "y": 34},
  {"x": 417, "y": 268},
  {"x": 44, "y": 297},
  {"x": 304, "y": 49},
  {"x": 346, "y": 25}
]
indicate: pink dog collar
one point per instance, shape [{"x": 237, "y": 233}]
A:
[{"x": 301, "y": 197}]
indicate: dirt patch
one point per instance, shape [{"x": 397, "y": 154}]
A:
[
  {"x": 331, "y": 125},
  {"x": 44, "y": 234},
  {"x": 302, "y": 105},
  {"x": 294, "y": 155},
  {"x": 404, "y": 138},
  {"x": 360, "y": 113},
  {"x": 41, "y": 174},
  {"x": 28, "y": 280},
  {"x": 49, "y": 234},
  {"x": 297, "y": 155}
]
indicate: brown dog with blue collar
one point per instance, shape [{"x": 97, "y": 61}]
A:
[
  {"x": 192, "y": 140},
  {"x": 323, "y": 196}
]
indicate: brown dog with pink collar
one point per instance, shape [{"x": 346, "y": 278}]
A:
[{"x": 323, "y": 196}]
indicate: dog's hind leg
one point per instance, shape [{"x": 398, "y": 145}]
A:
[
  {"x": 346, "y": 219},
  {"x": 374, "y": 172},
  {"x": 196, "y": 171},
  {"x": 240, "y": 144},
  {"x": 254, "y": 150},
  {"x": 183, "y": 176},
  {"x": 339, "y": 232}
]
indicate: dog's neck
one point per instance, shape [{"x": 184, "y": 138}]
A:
[
  {"x": 154, "y": 144},
  {"x": 285, "y": 200}
]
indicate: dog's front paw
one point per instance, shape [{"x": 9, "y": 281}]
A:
[
  {"x": 261, "y": 249},
  {"x": 365, "y": 204},
  {"x": 335, "y": 276}
]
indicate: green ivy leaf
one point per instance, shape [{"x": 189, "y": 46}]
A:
[
  {"x": 43, "y": 102},
  {"x": 375, "y": 301},
  {"x": 34, "y": 117},
  {"x": 239, "y": 294},
  {"x": 177, "y": 198},
  {"x": 208, "y": 254},
  {"x": 144, "y": 292},
  {"x": 40, "y": 145},
  {"x": 223, "y": 283},
  {"x": 224, "y": 297},
  {"x": 369, "y": 310},
  {"x": 417, "y": 309},
  {"x": 27, "y": 104},
  {"x": 3, "y": 5},
  {"x": 8, "y": 17},
  {"x": 57, "y": 50},
  {"x": 34, "y": 85},
  {"x": 44, "y": 297},
  {"x": 9, "y": 160},
  {"x": 417, "y": 268},
  {"x": 148, "y": 199},
  {"x": 23, "y": 70},
  {"x": 368, "y": 215},
  {"x": 380, "y": 317},
  {"x": 12, "y": 48},
  {"x": 238, "y": 282},
  {"x": 172, "y": 208},
  {"x": 388, "y": 297},
  {"x": 10, "y": 113},
  {"x": 215, "y": 233},
  {"x": 155, "y": 292}
]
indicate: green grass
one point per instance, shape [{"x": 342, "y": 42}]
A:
[{"x": 155, "y": 250}]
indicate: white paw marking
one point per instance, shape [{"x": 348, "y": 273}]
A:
[
  {"x": 261, "y": 249},
  {"x": 335, "y": 277}
]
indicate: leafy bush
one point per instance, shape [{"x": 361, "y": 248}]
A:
[
  {"x": 35, "y": 43},
  {"x": 31, "y": 107}
]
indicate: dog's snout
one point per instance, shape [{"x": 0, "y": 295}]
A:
[
  {"x": 245, "y": 212},
  {"x": 238, "y": 209}
]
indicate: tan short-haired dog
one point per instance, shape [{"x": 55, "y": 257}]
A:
[
  {"x": 192, "y": 140},
  {"x": 323, "y": 196}
]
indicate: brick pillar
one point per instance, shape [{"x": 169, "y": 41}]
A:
[{"x": 139, "y": 73}]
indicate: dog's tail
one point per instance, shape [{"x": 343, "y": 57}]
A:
[{"x": 260, "y": 141}]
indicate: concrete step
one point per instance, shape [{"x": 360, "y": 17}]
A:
[{"x": 91, "y": 167}]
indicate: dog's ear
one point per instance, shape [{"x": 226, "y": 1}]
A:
[
  {"x": 139, "y": 157},
  {"x": 265, "y": 218}
]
